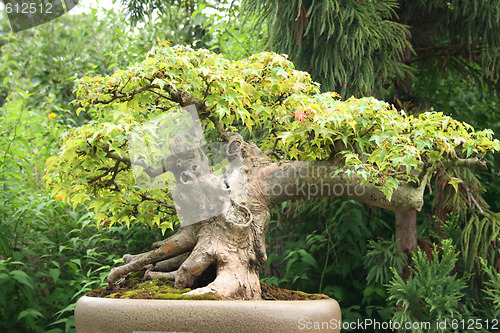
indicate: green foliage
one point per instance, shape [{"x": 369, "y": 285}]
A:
[
  {"x": 383, "y": 145},
  {"x": 140, "y": 10},
  {"x": 463, "y": 198},
  {"x": 36, "y": 60},
  {"x": 381, "y": 259},
  {"x": 51, "y": 254},
  {"x": 460, "y": 37},
  {"x": 366, "y": 47},
  {"x": 352, "y": 47},
  {"x": 319, "y": 247},
  {"x": 478, "y": 106},
  {"x": 479, "y": 240},
  {"x": 492, "y": 287},
  {"x": 432, "y": 292},
  {"x": 475, "y": 230},
  {"x": 354, "y": 260},
  {"x": 379, "y": 144},
  {"x": 234, "y": 34},
  {"x": 219, "y": 25}
]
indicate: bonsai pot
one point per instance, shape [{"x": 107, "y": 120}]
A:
[{"x": 109, "y": 315}]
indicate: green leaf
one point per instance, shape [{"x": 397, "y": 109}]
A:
[
  {"x": 387, "y": 191},
  {"x": 454, "y": 182},
  {"x": 30, "y": 313},
  {"x": 308, "y": 258},
  {"x": 54, "y": 274},
  {"x": 22, "y": 278}
]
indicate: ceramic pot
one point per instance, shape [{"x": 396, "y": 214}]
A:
[{"x": 109, "y": 315}]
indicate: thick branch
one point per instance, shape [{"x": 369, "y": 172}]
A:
[
  {"x": 305, "y": 180},
  {"x": 473, "y": 162}
]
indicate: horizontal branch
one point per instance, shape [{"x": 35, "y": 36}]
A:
[
  {"x": 150, "y": 171},
  {"x": 305, "y": 180},
  {"x": 472, "y": 162}
]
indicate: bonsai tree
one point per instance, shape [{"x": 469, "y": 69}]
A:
[{"x": 284, "y": 141}]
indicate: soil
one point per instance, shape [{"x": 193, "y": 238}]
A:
[{"x": 163, "y": 288}]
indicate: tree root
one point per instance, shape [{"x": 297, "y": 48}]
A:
[
  {"x": 184, "y": 240},
  {"x": 231, "y": 242}
]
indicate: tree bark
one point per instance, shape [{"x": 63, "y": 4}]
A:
[
  {"x": 406, "y": 230},
  {"x": 406, "y": 237}
]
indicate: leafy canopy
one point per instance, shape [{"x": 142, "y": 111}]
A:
[{"x": 280, "y": 108}]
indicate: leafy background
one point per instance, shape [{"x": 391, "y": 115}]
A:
[{"x": 50, "y": 253}]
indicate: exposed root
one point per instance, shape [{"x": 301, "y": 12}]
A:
[
  {"x": 184, "y": 240},
  {"x": 152, "y": 274},
  {"x": 231, "y": 244},
  {"x": 171, "y": 264}
]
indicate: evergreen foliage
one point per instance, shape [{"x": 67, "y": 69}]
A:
[
  {"x": 351, "y": 47},
  {"x": 381, "y": 258},
  {"x": 433, "y": 291},
  {"x": 365, "y": 47},
  {"x": 492, "y": 287}
]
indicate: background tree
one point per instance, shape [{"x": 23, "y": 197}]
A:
[{"x": 367, "y": 47}]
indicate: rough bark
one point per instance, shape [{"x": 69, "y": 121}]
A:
[
  {"x": 406, "y": 230},
  {"x": 406, "y": 236}
]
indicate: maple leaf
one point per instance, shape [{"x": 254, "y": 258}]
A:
[{"x": 300, "y": 115}]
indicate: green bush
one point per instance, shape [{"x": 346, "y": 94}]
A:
[
  {"x": 433, "y": 291},
  {"x": 492, "y": 289},
  {"x": 320, "y": 246},
  {"x": 51, "y": 254}
]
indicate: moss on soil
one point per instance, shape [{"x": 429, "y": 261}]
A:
[{"x": 163, "y": 288}]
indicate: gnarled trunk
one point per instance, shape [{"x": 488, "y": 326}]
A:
[{"x": 234, "y": 241}]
